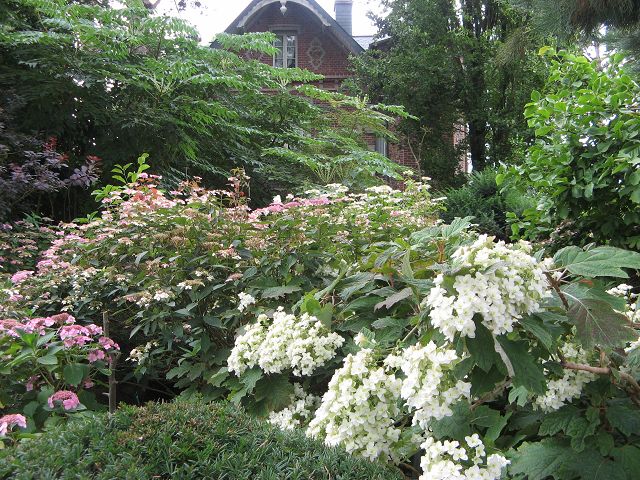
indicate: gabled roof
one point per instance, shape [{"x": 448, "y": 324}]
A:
[{"x": 239, "y": 24}]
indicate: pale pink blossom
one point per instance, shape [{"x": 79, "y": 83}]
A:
[
  {"x": 21, "y": 276},
  {"x": 11, "y": 420}
]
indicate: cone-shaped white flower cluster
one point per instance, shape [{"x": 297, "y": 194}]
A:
[
  {"x": 302, "y": 344},
  {"x": 298, "y": 413},
  {"x": 561, "y": 391},
  {"x": 427, "y": 388},
  {"x": 500, "y": 282},
  {"x": 442, "y": 460},
  {"x": 360, "y": 408}
]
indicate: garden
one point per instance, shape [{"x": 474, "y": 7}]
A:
[{"x": 203, "y": 279}]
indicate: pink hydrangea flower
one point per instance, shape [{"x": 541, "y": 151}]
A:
[
  {"x": 87, "y": 383},
  {"x": 21, "y": 276},
  {"x": 108, "y": 344},
  {"x": 63, "y": 319},
  {"x": 31, "y": 383},
  {"x": 95, "y": 355},
  {"x": 11, "y": 420},
  {"x": 70, "y": 400}
]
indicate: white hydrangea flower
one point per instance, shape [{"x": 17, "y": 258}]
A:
[
  {"x": 631, "y": 310},
  {"x": 442, "y": 460},
  {"x": 302, "y": 344},
  {"x": 563, "y": 390},
  {"x": 428, "y": 387},
  {"x": 498, "y": 281},
  {"x": 245, "y": 352},
  {"x": 245, "y": 300},
  {"x": 360, "y": 409},
  {"x": 298, "y": 413}
]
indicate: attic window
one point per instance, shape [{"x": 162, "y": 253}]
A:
[{"x": 287, "y": 45}]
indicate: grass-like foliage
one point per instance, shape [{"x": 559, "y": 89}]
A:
[{"x": 185, "y": 439}]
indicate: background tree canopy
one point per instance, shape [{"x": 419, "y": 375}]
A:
[
  {"x": 470, "y": 65},
  {"x": 115, "y": 82}
]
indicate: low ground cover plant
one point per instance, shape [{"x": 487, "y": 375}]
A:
[
  {"x": 365, "y": 322},
  {"x": 185, "y": 439}
]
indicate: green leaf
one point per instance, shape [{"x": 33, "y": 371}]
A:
[
  {"x": 482, "y": 348},
  {"x": 528, "y": 372},
  {"x": 629, "y": 459},
  {"x": 598, "y": 262},
  {"x": 625, "y": 418},
  {"x": 250, "y": 378},
  {"x": 541, "y": 460},
  {"x": 538, "y": 329},
  {"x": 217, "y": 378},
  {"x": 48, "y": 360},
  {"x": 277, "y": 292},
  {"x": 579, "y": 429},
  {"x": 558, "y": 421},
  {"x": 597, "y": 323},
  {"x": 455, "y": 426},
  {"x": 275, "y": 391},
  {"x": 74, "y": 374},
  {"x": 395, "y": 298}
]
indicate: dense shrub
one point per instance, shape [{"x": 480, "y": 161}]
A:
[
  {"x": 482, "y": 199},
  {"x": 169, "y": 267},
  {"x": 182, "y": 440},
  {"x": 365, "y": 321},
  {"x": 584, "y": 162}
]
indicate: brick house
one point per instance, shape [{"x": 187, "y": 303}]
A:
[{"x": 309, "y": 37}]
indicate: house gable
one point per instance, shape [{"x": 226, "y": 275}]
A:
[
  {"x": 242, "y": 23},
  {"x": 322, "y": 45}
]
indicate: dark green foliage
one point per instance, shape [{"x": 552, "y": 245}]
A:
[
  {"x": 186, "y": 439},
  {"x": 481, "y": 199},
  {"x": 455, "y": 66}
]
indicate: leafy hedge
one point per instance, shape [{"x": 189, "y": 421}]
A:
[{"x": 183, "y": 439}]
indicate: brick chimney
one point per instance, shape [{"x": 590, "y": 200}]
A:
[{"x": 344, "y": 10}]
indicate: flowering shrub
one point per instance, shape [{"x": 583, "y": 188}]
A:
[
  {"x": 21, "y": 243},
  {"x": 47, "y": 365},
  {"x": 288, "y": 343},
  {"x": 364, "y": 322}
]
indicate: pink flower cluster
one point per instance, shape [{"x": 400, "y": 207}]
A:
[
  {"x": 69, "y": 332},
  {"x": 279, "y": 207},
  {"x": 69, "y": 400},
  {"x": 11, "y": 420},
  {"x": 20, "y": 276}
]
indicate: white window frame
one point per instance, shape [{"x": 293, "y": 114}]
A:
[
  {"x": 382, "y": 146},
  {"x": 283, "y": 34}
]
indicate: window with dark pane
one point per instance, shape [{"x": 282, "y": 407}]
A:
[{"x": 286, "y": 55}]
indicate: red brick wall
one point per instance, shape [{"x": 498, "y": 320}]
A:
[{"x": 312, "y": 36}]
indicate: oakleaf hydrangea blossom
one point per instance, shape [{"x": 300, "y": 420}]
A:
[
  {"x": 563, "y": 390},
  {"x": 246, "y": 352},
  {"x": 498, "y": 281},
  {"x": 302, "y": 344},
  {"x": 245, "y": 300},
  {"x": 631, "y": 310},
  {"x": 360, "y": 409},
  {"x": 298, "y": 413},
  {"x": 449, "y": 460},
  {"x": 428, "y": 386}
]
